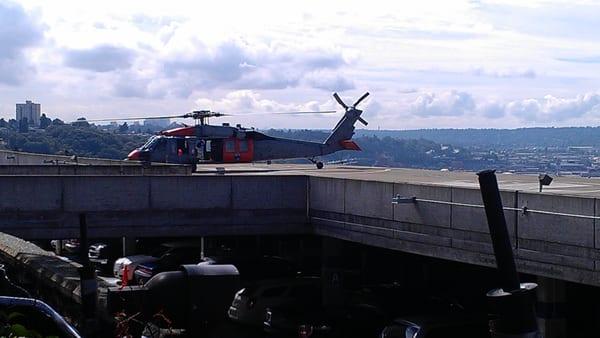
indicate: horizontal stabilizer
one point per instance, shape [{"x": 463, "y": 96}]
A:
[{"x": 349, "y": 145}]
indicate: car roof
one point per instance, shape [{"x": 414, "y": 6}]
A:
[{"x": 439, "y": 320}]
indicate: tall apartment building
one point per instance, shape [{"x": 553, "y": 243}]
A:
[{"x": 29, "y": 110}]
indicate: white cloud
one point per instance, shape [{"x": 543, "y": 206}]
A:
[
  {"x": 492, "y": 109},
  {"x": 116, "y": 56},
  {"x": 546, "y": 110},
  {"x": 504, "y": 73},
  {"x": 328, "y": 80},
  {"x": 103, "y": 58},
  {"x": 18, "y": 32},
  {"x": 451, "y": 103},
  {"x": 248, "y": 101},
  {"x": 191, "y": 65},
  {"x": 554, "y": 109},
  {"x": 130, "y": 84}
]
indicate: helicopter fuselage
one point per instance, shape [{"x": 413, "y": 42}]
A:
[
  {"x": 204, "y": 143},
  {"x": 223, "y": 144}
]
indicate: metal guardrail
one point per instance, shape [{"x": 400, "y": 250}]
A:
[{"x": 525, "y": 210}]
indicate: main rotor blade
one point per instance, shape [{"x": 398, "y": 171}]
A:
[
  {"x": 134, "y": 118},
  {"x": 360, "y": 99},
  {"x": 203, "y": 114},
  {"x": 307, "y": 112},
  {"x": 285, "y": 113},
  {"x": 339, "y": 100}
]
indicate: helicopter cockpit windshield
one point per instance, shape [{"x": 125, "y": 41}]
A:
[{"x": 151, "y": 143}]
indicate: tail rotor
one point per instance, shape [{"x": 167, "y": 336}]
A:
[
  {"x": 352, "y": 107},
  {"x": 339, "y": 100},
  {"x": 360, "y": 99}
]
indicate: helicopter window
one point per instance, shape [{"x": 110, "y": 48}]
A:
[
  {"x": 229, "y": 146},
  {"x": 181, "y": 144},
  {"x": 160, "y": 144},
  {"x": 243, "y": 146}
]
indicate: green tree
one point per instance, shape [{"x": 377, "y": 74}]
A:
[
  {"x": 57, "y": 122},
  {"x": 123, "y": 128},
  {"x": 45, "y": 122},
  {"x": 23, "y": 125}
]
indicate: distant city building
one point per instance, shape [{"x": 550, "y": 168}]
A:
[
  {"x": 163, "y": 123},
  {"x": 30, "y": 111}
]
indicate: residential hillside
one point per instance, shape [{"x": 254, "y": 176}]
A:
[{"x": 498, "y": 138}]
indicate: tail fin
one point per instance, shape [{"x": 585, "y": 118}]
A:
[{"x": 344, "y": 130}]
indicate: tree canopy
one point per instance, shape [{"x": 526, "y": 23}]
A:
[{"x": 86, "y": 140}]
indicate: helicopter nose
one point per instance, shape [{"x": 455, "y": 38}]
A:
[{"x": 134, "y": 155}]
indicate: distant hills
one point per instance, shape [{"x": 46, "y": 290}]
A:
[
  {"x": 498, "y": 138},
  {"x": 88, "y": 140},
  {"x": 425, "y": 148}
]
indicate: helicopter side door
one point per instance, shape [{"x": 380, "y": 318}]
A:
[
  {"x": 178, "y": 151},
  {"x": 236, "y": 150},
  {"x": 201, "y": 149}
]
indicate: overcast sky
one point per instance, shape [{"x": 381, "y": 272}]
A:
[{"x": 446, "y": 64}]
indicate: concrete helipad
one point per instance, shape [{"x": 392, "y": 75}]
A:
[{"x": 575, "y": 186}]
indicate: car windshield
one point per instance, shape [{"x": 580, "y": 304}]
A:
[{"x": 399, "y": 330}]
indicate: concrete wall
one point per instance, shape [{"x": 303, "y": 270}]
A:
[
  {"x": 556, "y": 246},
  {"x": 9, "y": 157},
  {"x": 123, "y": 168},
  {"x": 38, "y": 207}
]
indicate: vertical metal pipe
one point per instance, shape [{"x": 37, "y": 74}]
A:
[
  {"x": 83, "y": 240},
  {"x": 513, "y": 303},
  {"x": 498, "y": 230},
  {"x": 89, "y": 284},
  {"x": 59, "y": 247}
]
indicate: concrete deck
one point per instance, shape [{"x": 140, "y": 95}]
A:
[
  {"x": 349, "y": 203},
  {"x": 568, "y": 186}
]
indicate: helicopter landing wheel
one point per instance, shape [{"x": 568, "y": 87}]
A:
[{"x": 319, "y": 165}]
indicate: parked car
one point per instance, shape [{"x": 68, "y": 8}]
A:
[
  {"x": 169, "y": 261},
  {"x": 254, "y": 268},
  {"x": 132, "y": 262},
  {"x": 438, "y": 326},
  {"x": 104, "y": 254},
  {"x": 72, "y": 246},
  {"x": 28, "y": 317},
  {"x": 69, "y": 245},
  {"x": 302, "y": 306},
  {"x": 371, "y": 307},
  {"x": 305, "y": 319},
  {"x": 250, "y": 303}
]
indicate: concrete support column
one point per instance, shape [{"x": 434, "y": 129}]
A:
[
  {"x": 128, "y": 246},
  {"x": 551, "y": 305},
  {"x": 59, "y": 247},
  {"x": 332, "y": 273}
]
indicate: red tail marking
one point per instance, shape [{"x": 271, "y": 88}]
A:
[{"x": 349, "y": 145}]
